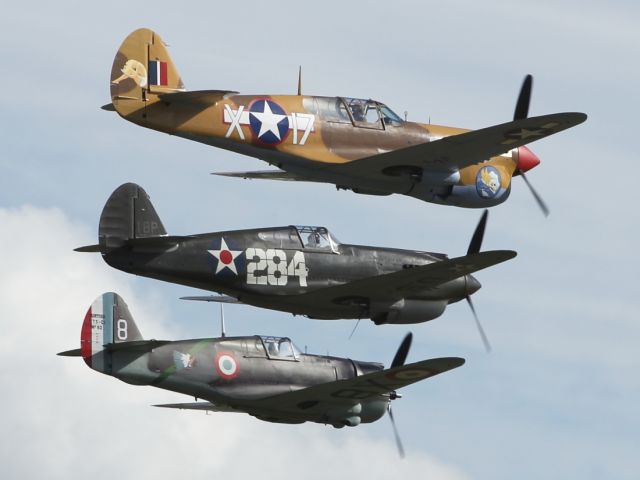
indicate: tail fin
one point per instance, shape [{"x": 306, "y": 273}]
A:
[
  {"x": 141, "y": 66},
  {"x": 127, "y": 215},
  {"x": 108, "y": 321}
]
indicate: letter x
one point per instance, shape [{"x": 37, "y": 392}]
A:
[{"x": 235, "y": 121}]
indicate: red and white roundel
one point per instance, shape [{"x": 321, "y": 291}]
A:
[{"x": 226, "y": 365}]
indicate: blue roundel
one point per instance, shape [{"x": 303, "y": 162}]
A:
[
  {"x": 488, "y": 182},
  {"x": 268, "y": 122}
]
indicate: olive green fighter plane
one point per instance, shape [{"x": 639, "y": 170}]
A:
[
  {"x": 355, "y": 144},
  {"x": 304, "y": 270},
  {"x": 264, "y": 376}
]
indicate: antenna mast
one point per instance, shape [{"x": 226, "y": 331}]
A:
[
  {"x": 223, "y": 334},
  {"x": 299, "y": 79}
]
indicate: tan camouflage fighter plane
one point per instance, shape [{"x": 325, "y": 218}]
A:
[{"x": 355, "y": 144}]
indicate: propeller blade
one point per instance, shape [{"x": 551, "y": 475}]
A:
[
  {"x": 522, "y": 111},
  {"x": 395, "y": 431},
  {"x": 541, "y": 204},
  {"x": 403, "y": 350},
  {"x": 478, "y": 234},
  {"x": 522, "y": 105},
  {"x": 354, "y": 329},
  {"x": 485, "y": 340}
]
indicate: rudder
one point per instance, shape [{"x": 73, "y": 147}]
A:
[
  {"x": 127, "y": 215},
  {"x": 106, "y": 322},
  {"x": 142, "y": 65}
]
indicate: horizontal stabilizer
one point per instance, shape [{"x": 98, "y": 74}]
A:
[
  {"x": 140, "y": 346},
  {"x": 88, "y": 249},
  {"x": 108, "y": 107},
  {"x": 71, "y": 353},
  {"x": 265, "y": 175},
  {"x": 213, "y": 298},
  {"x": 202, "y": 406},
  {"x": 201, "y": 97},
  {"x": 156, "y": 243},
  {"x": 163, "y": 240}
]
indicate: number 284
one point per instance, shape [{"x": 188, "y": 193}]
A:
[{"x": 269, "y": 267}]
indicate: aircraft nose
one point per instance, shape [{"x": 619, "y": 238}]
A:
[
  {"x": 472, "y": 284},
  {"x": 526, "y": 159}
]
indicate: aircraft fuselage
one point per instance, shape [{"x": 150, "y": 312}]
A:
[
  {"x": 238, "y": 373},
  {"x": 308, "y": 136},
  {"x": 274, "y": 267}
]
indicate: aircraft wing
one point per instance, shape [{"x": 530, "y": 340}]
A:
[
  {"x": 366, "y": 386},
  {"x": 412, "y": 281},
  {"x": 458, "y": 151},
  {"x": 202, "y": 406}
]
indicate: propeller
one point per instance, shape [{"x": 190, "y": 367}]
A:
[
  {"x": 403, "y": 351},
  {"x": 522, "y": 112},
  {"x": 485, "y": 340},
  {"x": 522, "y": 105},
  {"x": 395, "y": 431},
  {"x": 398, "y": 361},
  {"x": 474, "y": 247},
  {"x": 476, "y": 240},
  {"x": 541, "y": 204}
]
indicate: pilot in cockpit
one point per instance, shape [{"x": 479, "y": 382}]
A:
[
  {"x": 273, "y": 349},
  {"x": 313, "y": 240},
  {"x": 358, "y": 112}
]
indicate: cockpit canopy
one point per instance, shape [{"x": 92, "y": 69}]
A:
[
  {"x": 317, "y": 238},
  {"x": 300, "y": 236},
  {"x": 281, "y": 347},
  {"x": 371, "y": 112},
  {"x": 360, "y": 112}
]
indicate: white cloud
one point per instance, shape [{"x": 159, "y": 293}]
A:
[{"x": 62, "y": 420}]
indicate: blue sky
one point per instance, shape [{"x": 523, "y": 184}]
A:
[{"x": 558, "y": 395}]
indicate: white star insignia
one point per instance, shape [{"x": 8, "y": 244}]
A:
[
  {"x": 526, "y": 133},
  {"x": 268, "y": 121},
  {"x": 226, "y": 258},
  {"x": 458, "y": 268}
]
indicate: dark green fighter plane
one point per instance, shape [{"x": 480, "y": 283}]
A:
[
  {"x": 303, "y": 270},
  {"x": 264, "y": 376}
]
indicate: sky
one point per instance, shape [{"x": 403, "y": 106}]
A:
[{"x": 556, "y": 398}]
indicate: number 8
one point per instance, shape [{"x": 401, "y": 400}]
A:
[{"x": 121, "y": 329}]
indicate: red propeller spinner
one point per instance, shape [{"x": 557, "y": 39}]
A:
[{"x": 526, "y": 160}]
